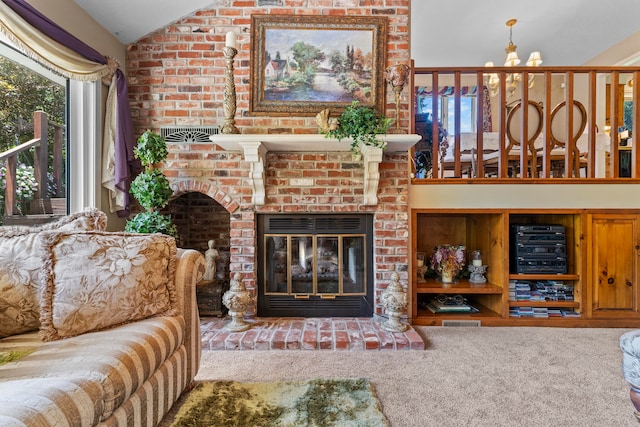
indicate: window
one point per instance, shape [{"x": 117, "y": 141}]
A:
[
  {"x": 80, "y": 120},
  {"x": 447, "y": 104},
  {"x": 26, "y": 88}
]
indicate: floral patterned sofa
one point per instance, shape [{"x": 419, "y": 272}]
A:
[
  {"x": 630, "y": 346},
  {"x": 96, "y": 328}
]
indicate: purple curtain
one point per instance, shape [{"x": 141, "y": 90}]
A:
[{"x": 126, "y": 165}]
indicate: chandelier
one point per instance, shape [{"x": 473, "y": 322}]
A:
[{"x": 512, "y": 60}]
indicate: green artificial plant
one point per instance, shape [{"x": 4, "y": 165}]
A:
[
  {"x": 151, "y": 188},
  {"x": 361, "y": 124}
]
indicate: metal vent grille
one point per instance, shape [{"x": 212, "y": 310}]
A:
[
  {"x": 316, "y": 224},
  {"x": 289, "y": 224},
  {"x": 463, "y": 323},
  {"x": 342, "y": 224},
  {"x": 188, "y": 134}
]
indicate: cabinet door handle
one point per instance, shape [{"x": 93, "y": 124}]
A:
[{"x": 610, "y": 280}]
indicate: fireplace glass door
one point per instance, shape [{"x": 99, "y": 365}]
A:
[
  {"x": 315, "y": 265},
  {"x": 320, "y": 265}
]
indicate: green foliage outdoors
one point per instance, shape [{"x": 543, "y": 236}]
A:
[
  {"x": 22, "y": 92},
  {"x": 361, "y": 124}
]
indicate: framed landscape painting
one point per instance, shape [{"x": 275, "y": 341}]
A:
[{"x": 301, "y": 65}]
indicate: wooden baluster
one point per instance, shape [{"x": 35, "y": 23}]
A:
[
  {"x": 58, "y": 145},
  {"x": 456, "y": 114},
  {"x": 614, "y": 170},
  {"x": 502, "y": 128},
  {"x": 546, "y": 118},
  {"x": 435, "y": 141},
  {"x": 591, "y": 126},
  {"x": 10, "y": 200},
  {"x": 635, "y": 122},
  {"x": 479, "y": 172}
]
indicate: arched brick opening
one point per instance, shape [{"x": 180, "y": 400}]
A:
[
  {"x": 203, "y": 212},
  {"x": 199, "y": 219}
]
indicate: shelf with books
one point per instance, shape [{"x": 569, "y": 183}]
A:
[
  {"x": 544, "y": 304},
  {"x": 543, "y": 312}
]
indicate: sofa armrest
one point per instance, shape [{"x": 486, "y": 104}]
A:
[{"x": 190, "y": 268}]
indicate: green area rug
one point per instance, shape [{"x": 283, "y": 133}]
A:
[
  {"x": 14, "y": 355},
  {"x": 319, "y": 402}
]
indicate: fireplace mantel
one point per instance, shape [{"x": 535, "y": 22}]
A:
[{"x": 256, "y": 146}]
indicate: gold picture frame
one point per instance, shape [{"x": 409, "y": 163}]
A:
[{"x": 289, "y": 54}]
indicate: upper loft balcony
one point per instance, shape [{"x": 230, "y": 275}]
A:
[{"x": 485, "y": 135}]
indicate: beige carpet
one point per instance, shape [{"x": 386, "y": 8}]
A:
[{"x": 467, "y": 376}]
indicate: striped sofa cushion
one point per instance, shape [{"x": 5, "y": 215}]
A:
[
  {"x": 84, "y": 379},
  {"x": 149, "y": 404}
]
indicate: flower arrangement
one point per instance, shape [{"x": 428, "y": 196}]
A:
[{"x": 448, "y": 258}]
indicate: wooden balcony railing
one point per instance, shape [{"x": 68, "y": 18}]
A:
[
  {"x": 41, "y": 147},
  {"x": 491, "y": 137}
]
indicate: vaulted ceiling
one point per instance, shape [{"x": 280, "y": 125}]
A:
[{"x": 444, "y": 32}]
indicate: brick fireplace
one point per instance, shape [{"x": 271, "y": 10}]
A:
[
  {"x": 296, "y": 182},
  {"x": 176, "y": 78}
]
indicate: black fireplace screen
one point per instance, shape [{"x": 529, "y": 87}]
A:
[{"x": 315, "y": 265}]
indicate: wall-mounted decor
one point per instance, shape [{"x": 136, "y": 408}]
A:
[{"x": 301, "y": 65}]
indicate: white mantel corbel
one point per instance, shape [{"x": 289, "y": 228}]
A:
[
  {"x": 256, "y": 146},
  {"x": 255, "y": 153},
  {"x": 372, "y": 156}
]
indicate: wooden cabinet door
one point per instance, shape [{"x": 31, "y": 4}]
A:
[{"x": 613, "y": 268}]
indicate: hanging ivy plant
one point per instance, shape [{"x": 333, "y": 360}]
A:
[{"x": 361, "y": 124}]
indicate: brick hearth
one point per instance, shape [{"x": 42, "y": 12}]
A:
[{"x": 307, "y": 334}]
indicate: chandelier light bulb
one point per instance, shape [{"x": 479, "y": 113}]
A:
[
  {"x": 535, "y": 59},
  {"x": 512, "y": 60}
]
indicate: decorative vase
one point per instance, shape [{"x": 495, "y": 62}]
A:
[
  {"x": 236, "y": 299},
  {"x": 394, "y": 300},
  {"x": 448, "y": 276}
]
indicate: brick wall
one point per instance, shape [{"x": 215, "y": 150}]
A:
[{"x": 176, "y": 78}]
